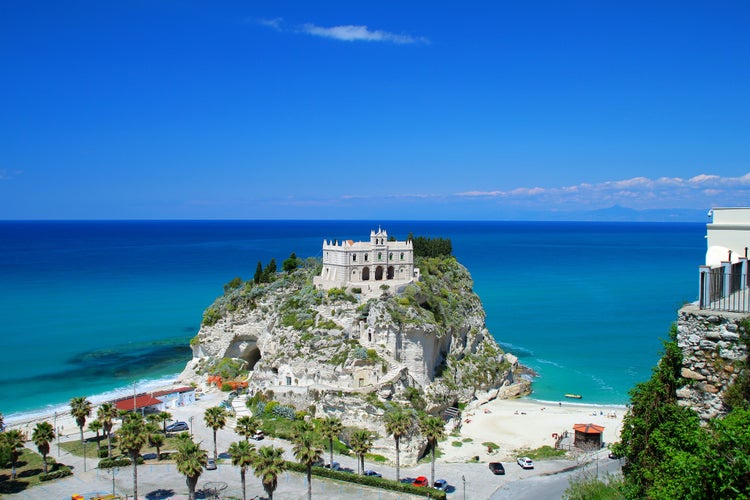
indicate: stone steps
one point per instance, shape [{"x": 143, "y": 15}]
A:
[{"x": 239, "y": 405}]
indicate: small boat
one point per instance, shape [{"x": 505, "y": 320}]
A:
[{"x": 573, "y": 396}]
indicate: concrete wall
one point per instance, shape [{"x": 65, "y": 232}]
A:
[{"x": 730, "y": 229}]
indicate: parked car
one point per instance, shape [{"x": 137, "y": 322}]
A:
[
  {"x": 373, "y": 473},
  {"x": 319, "y": 463},
  {"x": 441, "y": 484},
  {"x": 421, "y": 481},
  {"x": 497, "y": 468},
  {"x": 211, "y": 464},
  {"x": 178, "y": 426},
  {"x": 525, "y": 462},
  {"x": 258, "y": 436},
  {"x": 614, "y": 456},
  {"x": 333, "y": 466}
]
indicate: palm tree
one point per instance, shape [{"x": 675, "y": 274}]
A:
[
  {"x": 215, "y": 418},
  {"x": 269, "y": 465},
  {"x": 80, "y": 408},
  {"x": 164, "y": 417},
  {"x": 14, "y": 441},
  {"x": 433, "y": 429},
  {"x": 96, "y": 426},
  {"x": 243, "y": 455},
  {"x": 330, "y": 428},
  {"x": 398, "y": 423},
  {"x": 361, "y": 444},
  {"x": 2, "y": 423},
  {"x": 246, "y": 426},
  {"x": 191, "y": 460},
  {"x": 42, "y": 436},
  {"x": 155, "y": 438},
  {"x": 300, "y": 427},
  {"x": 307, "y": 451},
  {"x": 133, "y": 437},
  {"x": 106, "y": 414}
]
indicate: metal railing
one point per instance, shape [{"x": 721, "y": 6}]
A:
[{"x": 725, "y": 288}]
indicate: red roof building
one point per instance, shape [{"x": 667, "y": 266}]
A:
[
  {"x": 144, "y": 401},
  {"x": 172, "y": 391},
  {"x": 588, "y": 436}
]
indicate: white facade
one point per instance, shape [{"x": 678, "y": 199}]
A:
[
  {"x": 728, "y": 236},
  {"x": 364, "y": 263},
  {"x": 723, "y": 284}
]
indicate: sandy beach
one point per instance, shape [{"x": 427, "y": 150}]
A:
[{"x": 518, "y": 424}]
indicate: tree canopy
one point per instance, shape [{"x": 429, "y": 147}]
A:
[{"x": 669, "y": 454}]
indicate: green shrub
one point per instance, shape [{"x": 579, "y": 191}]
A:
[
  {"x": 377, "y": 482},
  {"x": 360, "y": 353},
  {"x": 115, "y": 462},
  {"x": 211, "y": 316},
  {"x": 226, "y": 387},
  {"x": 591, "y": 488},
  {"x": 57, "y": 474},
  {"x": 356, "y": 290}
]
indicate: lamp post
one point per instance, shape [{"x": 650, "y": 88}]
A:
[
  {"x": 57, "y": 435},
  {"x": 191, "y": 426},
  {"x": 113, "y": 471},
  {"x": 463, "y": 478}
]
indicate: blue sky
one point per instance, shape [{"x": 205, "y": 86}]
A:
[{"x": 371, "y": 110}]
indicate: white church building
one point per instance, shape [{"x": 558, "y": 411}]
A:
[{"x": 367, "y": 263}]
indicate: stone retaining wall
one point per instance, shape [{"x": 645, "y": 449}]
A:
[{"x": 712, "y": 352}]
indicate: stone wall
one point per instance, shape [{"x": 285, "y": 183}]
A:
[{"x": 712, "y": 350}]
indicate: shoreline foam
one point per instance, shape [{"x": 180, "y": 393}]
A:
[{"x": 23, "y": 418}]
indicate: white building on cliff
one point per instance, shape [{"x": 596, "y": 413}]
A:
[
  {"x": 367, "y": 263},
  {"x": 724, "y": 278}
]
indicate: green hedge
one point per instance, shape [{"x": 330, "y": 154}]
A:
[
  {"x": 377, "y": 482},
  {"x": 62, "y": 472},
  {"x": 117, "y": 462}
]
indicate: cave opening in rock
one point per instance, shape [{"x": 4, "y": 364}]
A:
[{"x": 252, "y": 356}]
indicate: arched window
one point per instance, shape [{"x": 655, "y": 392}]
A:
[
  {"x": 390, "y": 256},
  {"x": 365, "y": 257},
  {"x": 402, "y": 255},
  {"x": 354, "y": 257},
  {"x": 380, "y": 255}
]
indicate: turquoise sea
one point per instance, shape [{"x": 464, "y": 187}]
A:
[{"x": 91, "y": 307}]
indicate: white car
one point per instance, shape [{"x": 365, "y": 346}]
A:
[{"x": 525, "y": 462}]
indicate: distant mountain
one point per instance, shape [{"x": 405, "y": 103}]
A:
[{"x": 617, "y": 213}]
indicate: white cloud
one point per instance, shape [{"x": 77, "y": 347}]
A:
[
  {"x": 353, "y": 33},
  {"x": 346, "y": 32},
  {"x": 275, "y": 23},
  {"x": 701, "y": 191},
  {"x": 6, "y": 175}
]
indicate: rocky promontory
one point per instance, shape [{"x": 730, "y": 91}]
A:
[{"x": 355, "y": 352}]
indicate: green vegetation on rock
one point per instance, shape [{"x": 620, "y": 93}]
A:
[{"x": 669, "y": 454}]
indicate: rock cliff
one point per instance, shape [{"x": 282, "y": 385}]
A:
[
  {"x": 713, "y": 353},
  {"x": 353, "y": 352}
]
